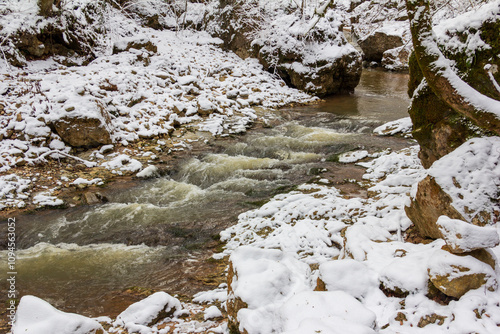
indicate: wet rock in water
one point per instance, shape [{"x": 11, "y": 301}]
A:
[
  {"x": 374, "y": 45},
  {"x": 35, "y": 315},
  {"x": 80, "y": 129},
  {"x": 324, "y": 77},
  {"x": 456, "y": 275},
  {"x": 149, "y": 311},
  {"x": 95, "y": 198}
]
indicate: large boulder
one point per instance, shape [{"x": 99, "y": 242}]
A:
[
  {"x": 316, "y": 59},
  {"x": 472, "y": 42},
  {"x": 374, "y": 45},
  {"x": 71, "y": 29},
  {"x": 322, "y": 67},
  {"x": 237, "y": 22},
  {"x": 462, "y": 185},
  {"x": 461, "y": 237}
]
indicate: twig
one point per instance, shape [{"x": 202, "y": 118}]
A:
[{"x": 42, "y": 157}]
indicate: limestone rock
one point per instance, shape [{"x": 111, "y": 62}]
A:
[
  {"x": 150, "y": 310},
  {"x": 84, "y": 130},
  {"x": 324, "y": 65},
  {"x": 456, "y": 275},
  {"x": 239, "y": 22},
  {"x": 205, "y": 106},
  {"x": 375, "y": 44},
  {"x": 46, "y": 6},
  {"x": 463, "y": 237},
  {"x": 234, "y": 303},
  {"x": 428, "y": 205},
  {"x": 484, "y": 255},
  {"x": 323, "y": 78}
]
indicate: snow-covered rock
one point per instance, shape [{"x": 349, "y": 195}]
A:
[
  {"x": 36, "y": 316},
  {"x": 456, "y": 275},
  {"x": 461, "y": 185},
  {"x": 149, "y": 311},
  {"x": 462, "y": 237},
  {"x": 252, "y": 289}
]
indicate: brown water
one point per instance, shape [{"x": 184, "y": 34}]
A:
[{"x": 157, "y": 234}]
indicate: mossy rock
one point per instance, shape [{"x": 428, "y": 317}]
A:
[{"x": 437, "y": 128}]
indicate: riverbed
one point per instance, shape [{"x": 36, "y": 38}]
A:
[{"x": 159, "y": 234}]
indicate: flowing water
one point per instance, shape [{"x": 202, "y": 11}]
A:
[{"x": 154, "y": 235}]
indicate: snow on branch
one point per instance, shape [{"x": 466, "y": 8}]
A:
[
  {"x": 318, "y": 14},
  {"x": 444, "y": 82}
]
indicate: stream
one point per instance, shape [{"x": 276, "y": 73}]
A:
[{"x": 159, "y": 234}]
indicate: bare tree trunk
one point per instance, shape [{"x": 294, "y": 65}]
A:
[{"x": 441, "y": 78}]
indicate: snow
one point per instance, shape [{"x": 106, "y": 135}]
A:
[
  {"x": 80, "y": 180},
  {"x": 37, "y": 316},
  {"x": 212, "y": 312},
  {"x": 46, "y": 199},
  {"x": 350, "y": 276},
  {"x": 329, "y": 307}
]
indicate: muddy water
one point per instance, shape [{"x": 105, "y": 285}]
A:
[{"x": 157, "y": 234}]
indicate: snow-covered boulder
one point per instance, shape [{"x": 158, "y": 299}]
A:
[
  {"x": 456, "y": 275},
  {"x": 375, "y": 44},
  {"x": 36, "y": 316},
  {"x": 149, "y": 311},
  {"x": 252, "y": 290},
  {"x": 135, "y": 42},
  {"x": 38, "y": 29},
  {"x": 461, "y": 185},
  {"x": 309, "y": 54}
]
